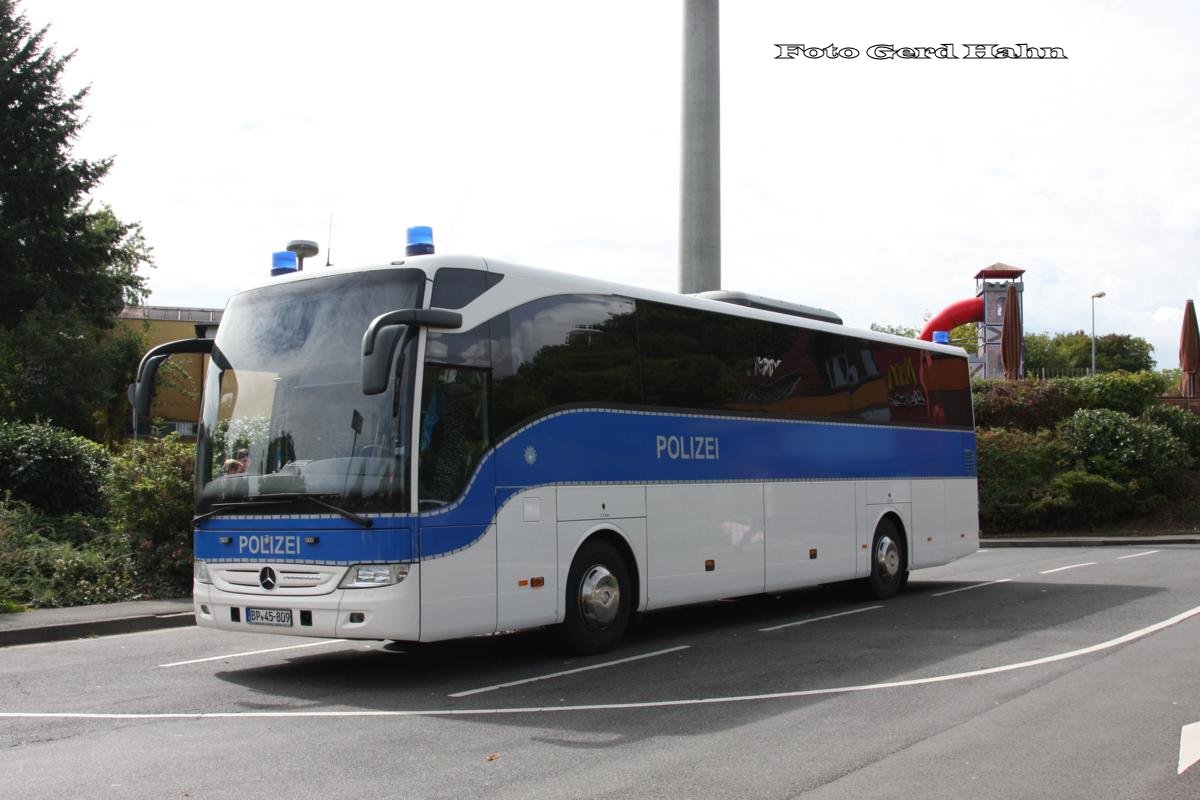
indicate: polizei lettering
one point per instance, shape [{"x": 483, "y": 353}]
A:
[
  {"x": 687, "y": 448},
  {"x": 267, "y": 544}
]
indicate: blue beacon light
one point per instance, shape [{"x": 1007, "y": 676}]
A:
[
  {"x": 420, "y": 241},
  {"x": 283, "y": 263},
  {"x": 941, "y": 337}
]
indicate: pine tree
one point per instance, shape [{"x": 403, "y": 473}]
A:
[
  {"x": 54, "y": 247},
  {"x": 66, "y": 268}
]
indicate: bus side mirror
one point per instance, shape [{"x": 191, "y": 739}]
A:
[
  {"x": 377, "y": 364},
  {"x": 142, "y": 389},
  {"x": 388, "y": 331}
]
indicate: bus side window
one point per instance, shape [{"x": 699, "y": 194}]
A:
[
  {"x": 564, "y": 350},
  {"x": 697, "y": 359},
  {"x": 454, "y": 431},
  {"x": 455, "y": 287}
]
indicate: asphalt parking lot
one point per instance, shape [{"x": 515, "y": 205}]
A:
[{"x": 1066, "y": 672}]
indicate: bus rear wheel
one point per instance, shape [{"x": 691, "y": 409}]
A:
[
  {"x": 599, "y": 596},
  {"x": 889, "y": 561}
]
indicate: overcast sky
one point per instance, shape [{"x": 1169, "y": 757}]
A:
[{"x": 547, "y": 133}]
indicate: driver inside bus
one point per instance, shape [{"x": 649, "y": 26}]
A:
[{"x": 238, "y": 464}]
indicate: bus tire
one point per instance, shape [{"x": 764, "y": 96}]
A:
[
  {"x": 889, "y": 561},
  {"x": 599, "y": 599}
]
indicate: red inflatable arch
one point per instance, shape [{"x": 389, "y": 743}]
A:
[{"x": 953, "y": 315}]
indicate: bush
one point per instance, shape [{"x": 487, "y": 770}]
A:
[
  {"x": 1030, "y": 405},
  {"x": 1130, "y": 392},
  {"x": 1126, "y": 450},
  {"x": 1015, "y": 468},
  {"x": 1076, "y": 497},
  {"x": 1183, "y": 425},
  {"x": 52, "y": 469},
  {"x": 1025, "y": 405},
  {"x": 150, "y": 494},
  {"x": 40, "y": 568}
]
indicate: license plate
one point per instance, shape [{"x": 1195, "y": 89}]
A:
[{"x": 269, "y": 616}]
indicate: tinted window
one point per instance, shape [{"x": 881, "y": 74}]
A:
[
  {"x": 821, "y": 374},
  {"x": 455, "y": 288},
  {"x": 454, "y": 431},
  {"x": 563, "y": 350},
  {"x": 696, "y": 359},
  {"x": 948, "y": 383},
  {"x": 469, "y": 349},
  {"x": 800, "y": 372}
]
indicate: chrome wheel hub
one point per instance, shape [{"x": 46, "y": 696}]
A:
[
  {"x": 599, "y": 596},
  {"x": 887, "y": 557}
]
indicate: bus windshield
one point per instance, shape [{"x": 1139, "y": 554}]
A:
[{"x": 284, "y": 412}]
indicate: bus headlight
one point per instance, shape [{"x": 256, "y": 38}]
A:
[
  {"x": 365, "y": 576},
  {"x": 200, "y": 572}
]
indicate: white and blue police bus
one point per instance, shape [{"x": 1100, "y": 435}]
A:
[{"x": 449, "y": 446}]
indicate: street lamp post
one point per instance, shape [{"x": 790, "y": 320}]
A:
[{"x": 1095, "y": 297}]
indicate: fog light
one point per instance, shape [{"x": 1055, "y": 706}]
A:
[
  {"x": 365, "y": 576},
  {"x": 357, "y": 616},
  {"x": 200, "y": 572}
]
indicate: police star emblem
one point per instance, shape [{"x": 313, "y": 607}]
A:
[{"x": 530, "y": 456}]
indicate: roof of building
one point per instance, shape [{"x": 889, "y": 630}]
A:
[
  {"x": 172, "y": 313},
  {"x": 999, "y": 270}
]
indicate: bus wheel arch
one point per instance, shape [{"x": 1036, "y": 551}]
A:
[
  {"x": 601, "y": 593},
  {"x": 889, "y": 557}
]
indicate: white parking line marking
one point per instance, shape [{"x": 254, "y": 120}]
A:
[
  {"x": 1137, "y": 555},
  {"x": 1189, "y": 746},
  {"x": 1072, "y": 566},
  {"x": 570, "y": 671},
  {"x": 817, "y": 619},
  {"x": 465, "y": 712},
  {"x": 976, "y": 586},
  {"x": 253, "y": 652}
]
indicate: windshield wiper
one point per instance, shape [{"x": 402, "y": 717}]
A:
[
  {"x": 366, "y": 522},
  {"x": 221, "y": 508},
  {"x": 277, "y": 499}
]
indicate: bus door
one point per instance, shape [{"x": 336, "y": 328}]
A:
[{"x": 455, "y": 491}]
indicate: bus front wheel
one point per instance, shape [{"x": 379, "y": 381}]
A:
[
  {"x": 599, "y": 597},
  {"x": 889, "y": 561}
]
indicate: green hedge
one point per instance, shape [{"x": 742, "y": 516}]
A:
[
  {"x": 1031, "y": 405},
  {"x": 51, "y": 555},
  {"x": 151, "y": 493},
  {"x": 40, "y": 566},
  {"x": 1015, "y": 467},
  {"x": 1075, "y": 497},
  {"x": 52, "y": 469},
  {"x": 1183, "y": 425},
  {"x": 1098, "y": 466},
  {"x": 1127, "y": 450}
]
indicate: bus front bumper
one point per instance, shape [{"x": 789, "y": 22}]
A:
[{"x": 385, "y": 612}]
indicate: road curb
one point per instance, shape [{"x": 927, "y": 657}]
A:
[
  {"x": 1096, "y": 541},
  {"x": 98, "y": 627}
]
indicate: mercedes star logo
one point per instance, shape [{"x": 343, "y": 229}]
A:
[{"x": 266, "y": 578}]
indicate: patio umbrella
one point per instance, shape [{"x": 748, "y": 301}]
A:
[
  {"x": 1010, "y": 335},
  {"x": 1189, "y": 353}
]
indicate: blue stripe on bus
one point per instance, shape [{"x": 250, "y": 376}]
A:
[{"x": 582, "y": 446}]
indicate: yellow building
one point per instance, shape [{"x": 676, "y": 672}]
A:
[{"x": 177, "y": 393}]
